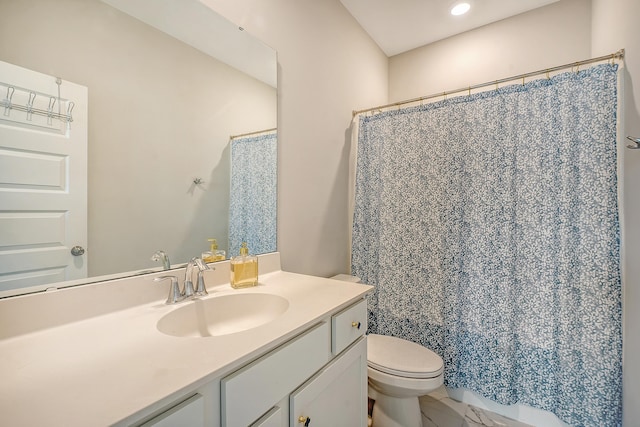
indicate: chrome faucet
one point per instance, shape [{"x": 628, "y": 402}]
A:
[
  {"x": 162, "y": 256},
  {"x": 175, "y": 295},
  {"x": 201, "y": 289},
  {"x": 188, "y": 291}
]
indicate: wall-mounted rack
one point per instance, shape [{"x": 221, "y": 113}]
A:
[{"x": 8, "y": 104}]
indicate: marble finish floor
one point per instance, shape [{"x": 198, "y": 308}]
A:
[{"x": 439, "y": 410}]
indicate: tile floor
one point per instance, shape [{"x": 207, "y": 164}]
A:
[{"x": 439, "y": 410}]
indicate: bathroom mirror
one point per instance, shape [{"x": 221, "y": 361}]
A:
[{"x": 169, "y": 83}]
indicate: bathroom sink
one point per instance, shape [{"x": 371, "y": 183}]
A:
[{"x": 222, "y": 315}]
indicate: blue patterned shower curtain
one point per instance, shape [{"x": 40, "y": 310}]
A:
[
  {"x": 252, "y": 201},
  {"x": 488, "y": 225}
]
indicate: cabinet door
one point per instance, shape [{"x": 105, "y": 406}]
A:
[{"x": 337, "y": 395}]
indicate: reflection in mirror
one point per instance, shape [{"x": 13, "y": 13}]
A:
[
  {"x": 253, "y": 189},
  {"x": 160, "y": 116}
]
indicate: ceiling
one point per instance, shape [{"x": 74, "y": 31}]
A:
[
  {"x": 206, "y": 27},
  {"x": 401, "y": 25}
]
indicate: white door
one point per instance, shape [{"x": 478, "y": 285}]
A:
[{"x": 43, "y": 184}]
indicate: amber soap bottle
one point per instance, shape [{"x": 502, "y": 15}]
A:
[{"x": 244, "y": 269}]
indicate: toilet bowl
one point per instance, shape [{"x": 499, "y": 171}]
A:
[{"x": 399, "y": 372}]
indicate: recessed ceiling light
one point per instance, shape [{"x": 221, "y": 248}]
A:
[{"x": 460, "y": 9}]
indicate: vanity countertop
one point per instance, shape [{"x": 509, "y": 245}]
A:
[{"x": 103, "y": 370}]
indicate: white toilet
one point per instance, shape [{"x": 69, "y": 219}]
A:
[{"x": 399, "y": 372}]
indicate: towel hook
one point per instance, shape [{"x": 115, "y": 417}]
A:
[
  {"x": 69, "y": 110},
  {"x": 7, "y": 100},
  {"x": 634, "y": 140},
  {"x": 52, "y": 102},
  {"x": 32, "y": 98}
]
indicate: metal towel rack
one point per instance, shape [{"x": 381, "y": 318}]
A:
[{"x": 8, "y": 105}]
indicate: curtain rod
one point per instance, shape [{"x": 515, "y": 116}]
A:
[
  {"x": 617, "y": 55},
  {"x": 253, "y": 133}
]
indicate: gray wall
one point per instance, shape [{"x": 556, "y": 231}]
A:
[{"x": 328, "y": 66}]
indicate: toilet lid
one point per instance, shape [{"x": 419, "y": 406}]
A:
[{"x": 402, "y": 358}]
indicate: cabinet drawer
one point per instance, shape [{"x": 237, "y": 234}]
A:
[
  {"x": 189, "y": 413},
  {"x": 348, "y": 325},
  {"x": 251, "y": 391},
  {"x": 273, "y": 418}
]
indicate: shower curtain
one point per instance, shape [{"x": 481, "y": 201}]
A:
[
  {"x": 252, "y": 201},
  {"x": 488, "y": 225}
]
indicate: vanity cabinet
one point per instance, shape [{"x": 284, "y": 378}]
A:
[
  {"x": 303, "y": 358},
  {"x": 322, "y": 373},
  {"x": 318, "y": 378}
]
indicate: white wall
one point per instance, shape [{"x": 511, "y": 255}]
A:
[
  {"x": 328, "y": 66},
  {"x": 615, "y": 26},
  {"x": 160, "y": 114},
  {"x": 553, "y": 35}
]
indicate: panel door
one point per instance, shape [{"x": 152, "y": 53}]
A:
[
  {"x": 43, "y": 185},
  {"x": 337, "y": 395}
]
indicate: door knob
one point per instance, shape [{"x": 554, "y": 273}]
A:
[{"x": 77, "y": 251}]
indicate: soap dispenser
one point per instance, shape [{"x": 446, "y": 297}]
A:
[
  {"x": 213, "y": 254},
  {"x": 244, "y": 269}
]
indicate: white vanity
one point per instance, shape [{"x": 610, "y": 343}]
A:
[{"x": 95, "y": 355}]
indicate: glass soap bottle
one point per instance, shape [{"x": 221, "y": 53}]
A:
[
  {"x": 244, "y": 269},
  {"x": 213, "y": 254}
]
